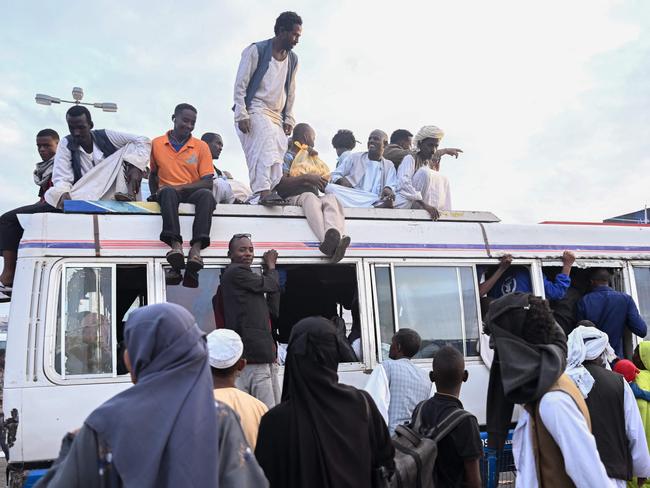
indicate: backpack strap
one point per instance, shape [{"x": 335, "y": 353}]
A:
[{"x": 449, "y": 423}]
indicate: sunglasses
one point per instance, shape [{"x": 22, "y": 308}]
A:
[{"x": 241, "y": 236}]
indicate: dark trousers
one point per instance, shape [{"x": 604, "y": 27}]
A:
[
  {"x": 10, "y": 229},
  {"x": 204, "y": 204}
]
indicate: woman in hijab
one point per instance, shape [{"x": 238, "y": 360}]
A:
[
  {"x": 166, "y": 430},
  {"x": 324, "y": 434}
]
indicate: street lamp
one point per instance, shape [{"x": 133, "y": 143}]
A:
[{"x": 77, "y": 95}]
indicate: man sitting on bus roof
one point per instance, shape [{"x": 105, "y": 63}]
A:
[
  {"x": 324, "y": 214},
  {"x": 182, "y": 172},
  {"x": 507, "y": 279},
  {"x": 225, "y": 188},
  {"x": 10, "y": 229},
  {"x": 420, "y": 183},
  {"x": 400, "y": 146},
  {"x": 343, "y": 143},
  {"x": 96, "y": 164},
  {"x": 365, "y": 179}
]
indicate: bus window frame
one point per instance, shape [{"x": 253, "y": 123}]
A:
[
  {"x": 55, "y": 287},
  {"x": 633, "y": 292},
  {"x": 257, "y": 263}
]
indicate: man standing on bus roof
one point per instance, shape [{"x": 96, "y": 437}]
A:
[
  {"x": 10, "y": 229},
  {"x": 365, "y": 179},
  {"x": 507, "y": 279},
  {"x": 96, "y": 164},
  {"x": 264, "y": 95},
  {"x": 249, "y": 301},
  {"x": 610, "y": 310},
  {"x": 182, "y": 172}
]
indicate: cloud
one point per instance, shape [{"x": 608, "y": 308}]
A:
[{"x": 531, "y": 92}]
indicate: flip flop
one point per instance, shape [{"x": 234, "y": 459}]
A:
[
  {"x": 173, "y": 277},
  {"x": 273, "y": 199},
  {"x": 194, "y": 263},
  {"x": 191, "y": 279},
  {"x": 340, "y": 249},
  {"x": 176, "y": 259},
  {"x": 330, "y": 242},
  {"x": 123, "y": 197}
]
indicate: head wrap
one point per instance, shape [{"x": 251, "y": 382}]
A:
[
  {"x": 164, "y": 430},
  {"x": 225, "y": 347},
  {"x": 644, "y": 353},
  {"x": 587, "y": 344},
  {"x": 521, "y": 372},
  {"x": 427, "y": 132},
  {"x": 627, "y": 369}
]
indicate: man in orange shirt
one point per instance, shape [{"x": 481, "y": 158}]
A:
[{"x": 182, "y": 172}]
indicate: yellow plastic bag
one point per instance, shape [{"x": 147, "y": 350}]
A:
[{"x": 304, "y": 164}]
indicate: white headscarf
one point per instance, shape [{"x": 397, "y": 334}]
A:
[
  {"x": 428, "y": 132},
  {"x": 585, "y": 344}
]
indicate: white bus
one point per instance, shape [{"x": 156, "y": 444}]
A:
[{"x": 80, "y": 273}]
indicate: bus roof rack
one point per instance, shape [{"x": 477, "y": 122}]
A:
[{"x": 291, "y": 211}]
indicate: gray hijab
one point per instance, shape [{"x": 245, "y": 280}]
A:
[{"x": 163, "y": 431}]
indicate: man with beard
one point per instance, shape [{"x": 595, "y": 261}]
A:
[
  {"x": 365, "y": 179},
  {"x": 264, "y": 95}
]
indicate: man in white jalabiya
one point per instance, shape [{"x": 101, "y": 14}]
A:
[
  {"x": 96, "y": 164},
  {"x": 264, "y": 95},
  {"x": 419, "y": 182},
  {"x": 365, "y": 179},
  {"x": 615, "y": 419}
]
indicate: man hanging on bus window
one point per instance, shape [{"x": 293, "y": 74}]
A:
[
  {"x": 96, "y": 164},
  {"x": 365, "y": 179},
  {"x": 249, "y": 301},
  {"x": 225, "y": 188},
  {"x": 419, "y": 181},
  {"x": 265, "y": 90},
  {"x": 324, "y": 213},
  {"x": 10, "y": 229},
  {"x": 610, "y": 310},
  {"x": 507, "y": 279},
  {"x": 182, "y": 172}
]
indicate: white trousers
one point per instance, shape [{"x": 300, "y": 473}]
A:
[
  {"x": 434, "y": 188},
  {"x": 322, "y": 213}
]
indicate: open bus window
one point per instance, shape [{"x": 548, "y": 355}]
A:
[
  {"x": 642, "y": 279},
  {"x": 198, "y": 300},
  {"x": 439, "y": 302},
  {"x": 93, "y": 306},
  {"x": 326, "y": 290}
]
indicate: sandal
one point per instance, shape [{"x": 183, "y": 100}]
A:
[
  {"x": 340, "y": 249},
  {"x": 173, "y": 277},
  {"x": 194, "y": 263},
  {"x": 191, "y": 279},
  {"x": 176, "y": 259},
  {"x": 330, "y": 242},
  {"x": 273, "y": 199},
  {"x": 5, "y": 292}
]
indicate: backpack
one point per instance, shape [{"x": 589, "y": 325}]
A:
[{"x": 416, "y": 452}]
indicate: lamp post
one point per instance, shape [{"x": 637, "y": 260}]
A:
[{"x": 77, "y": 95}]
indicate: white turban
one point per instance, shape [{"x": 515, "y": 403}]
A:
[
  {"x": 225, "y": 347},
  {"x": 586, "y": 344},
  {"x": 428, "y": 132}
]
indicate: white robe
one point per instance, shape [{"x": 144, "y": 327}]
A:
[
  {"x": 265, "y": 144},
  {"x": 101, "y": 177},
  {"x": 425, "y": 185}
]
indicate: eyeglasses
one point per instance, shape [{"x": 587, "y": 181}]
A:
[{"x": 241, "y": 236}]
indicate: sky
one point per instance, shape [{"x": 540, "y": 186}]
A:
[{"x": 548, "y": 100}]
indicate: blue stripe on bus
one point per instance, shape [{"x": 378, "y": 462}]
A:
[{"x": 58, "y": 245}]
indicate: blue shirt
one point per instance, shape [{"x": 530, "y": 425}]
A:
[
  {"x": 639, "y": 392},
  {"x": 612, "y": 311},
  {"x": 517, "y": 278}
]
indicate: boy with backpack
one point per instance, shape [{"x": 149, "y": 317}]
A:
[{"x": 459, "y": 452}]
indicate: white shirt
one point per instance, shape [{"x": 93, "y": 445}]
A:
[
  {"x": 372, "y": 174},
  {"x": 405, "y": 179},
  {"x": 62, "y": 174},
  {"x": 568, "y": 427},
  {"x": 270, "y": 97}
]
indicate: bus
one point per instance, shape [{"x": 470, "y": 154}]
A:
[{"x": 80, "y": 274}]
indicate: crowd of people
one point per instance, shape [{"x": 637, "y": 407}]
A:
[{"x": 210, "y": 411}]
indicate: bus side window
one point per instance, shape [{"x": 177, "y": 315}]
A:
[
  {"x": 199, "y": 300},
  {"x": 439, "y": 302},
  {"x": 93, "y": 306},
  {"x": 642, "y": 279}
]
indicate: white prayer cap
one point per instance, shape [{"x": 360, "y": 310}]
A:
[
  {"x": 426, "y": 132},
  {"x": 224, "y": 348}
]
